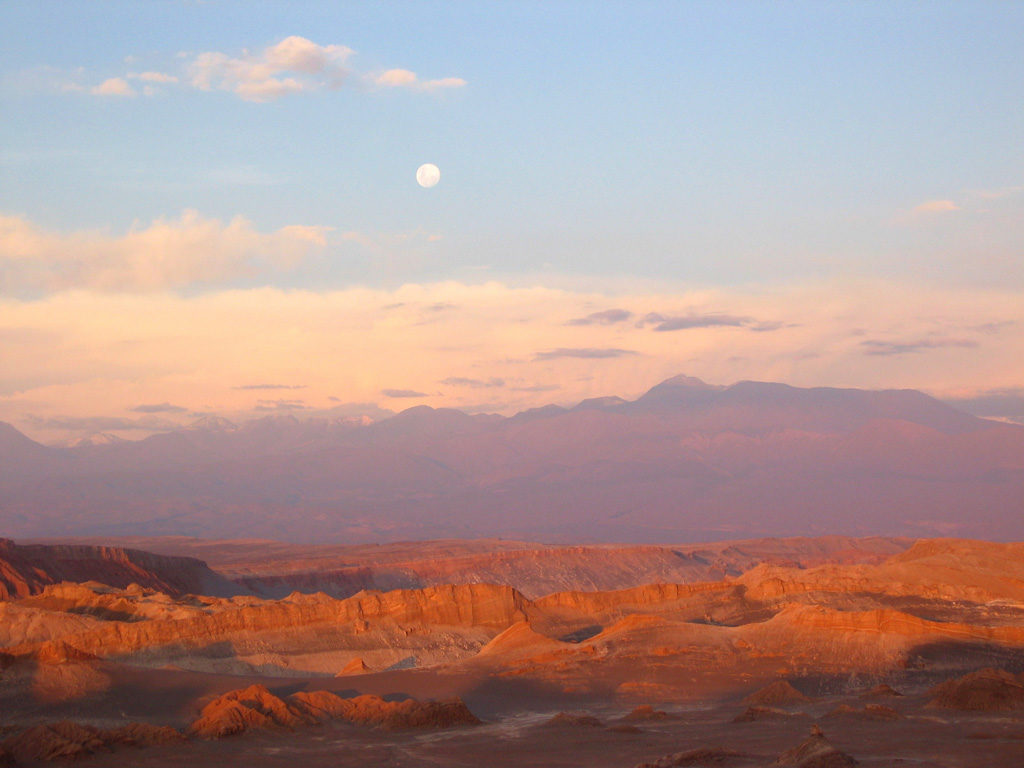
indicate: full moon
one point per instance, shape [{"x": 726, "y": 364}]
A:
[{"x": 427, "y": 175}]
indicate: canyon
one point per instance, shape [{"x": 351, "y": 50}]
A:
[{"x": 755, "y": 652}]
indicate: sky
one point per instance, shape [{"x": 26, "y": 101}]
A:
[{"x": 211, "y": 207}]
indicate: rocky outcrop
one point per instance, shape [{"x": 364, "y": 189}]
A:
[
  {"x": 256, "y": 707},
  {"x": 55, "y": 741},
  {"x": 69, "y": 740},
  {"x": 409, "y": 713},
  {"x": 648, "y": 595},
  {"x": 881, "y": 691},
  {"x": 779, "y": 692},
  {"x": 932, "y": 569},
  {"x": 471, "y": 605},
  {"x": 569, "y": 720},
  {"x": 517, "y": 641},
  {"x": 355, "y": 667},
  {"x": 756, "y": 714},
  {"x": 986, "y": 690},
  {"x": 697, "y": 757},
  {"x": 243, "y": 710},
  {"x": 814, "y": 752},
  {"x": 26, "y": 569},
  {"x": 876, "y": 712},
  {"x": 646, "y": 713}
]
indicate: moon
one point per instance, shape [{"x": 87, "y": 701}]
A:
[{"x": 427, "y": 175}]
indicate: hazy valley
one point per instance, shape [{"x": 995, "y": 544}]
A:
[{"x": 685, "y": 462}]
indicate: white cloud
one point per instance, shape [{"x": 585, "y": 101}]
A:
[
  {"x": 444, "y": 82},
  {"x": 404, "y": 78},
  {"x": 153, "y": 77},
  {"x": 302, "y": 55},
  {"x": 996, "y": 194},
  {"x": 166, "y": 254},
  {"x": 936, "y": 206},
  {"x": 114, "y": 86},
  {"x": 295, "y": 64},
  {"x": 396, "y": 78}
]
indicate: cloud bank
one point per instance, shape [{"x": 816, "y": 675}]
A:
[
  {"x": 166, "y": 254},
  {"x": 88, "y": 353},
  {"x": 293, "y": 65}
]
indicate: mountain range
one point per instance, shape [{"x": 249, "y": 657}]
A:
[{"x": 687, "y": 461}]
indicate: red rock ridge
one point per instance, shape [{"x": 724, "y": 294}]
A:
[{"x": 27, "y": 569}]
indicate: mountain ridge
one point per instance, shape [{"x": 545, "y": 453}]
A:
[{"x": 685, "y": 461}]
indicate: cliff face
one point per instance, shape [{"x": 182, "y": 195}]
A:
[
  {"x": 27, "y": 569},
  {"x": 932, "y": 569},
  {"x": 834, "y": 618},
  {"x": 443, "y": 622},
  {"x": 533, "y": 569}
]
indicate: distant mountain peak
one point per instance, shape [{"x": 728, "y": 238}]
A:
[
  {"x": 678, "y": 389},
  {"x": 213, "y": 424},
  {"x": 95, "y": 439},
  {"x": 682, "y": 380},
  {"x": 596, "y": 403}
]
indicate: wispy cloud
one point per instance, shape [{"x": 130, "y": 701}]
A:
[
  {"x": 404, "y": 78},
  {"x": 687, "y": 322},
  {"x": 90, "y": 424},
  {"x": 1004, "y": 404},
  {"x": 403, "y": 393},
  {"x": 930, "y": 207},
  {"x": 605, "y": 317},
  {"x": 158, "y": 408},
  {"x": 458, "y": 381},
  {"x": 583, "y": 354},
  {"x": 996, "y": 194},
  {"x": 271, "y": 386},
  {"x": 281, "y": 405},
  {"x": 885, "y": 348},
  {"x": 153, "y": 77}
]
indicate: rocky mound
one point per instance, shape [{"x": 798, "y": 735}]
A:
[
  {"x": 646, "y": 713},
  {"x": 780, "y": 692},
  {"x": 26, "y": 569},
  {"x": 519, "y": 640},
  {"x": 696, "y": 757},
  {"x": 566, "y": 719},
  {"x": 256, "y": 707},
  {"x": 881, "y": 691},
  {"x": 754, "y": 714},
  {"x": 68, "y": 740},
  {"x": 243, "y": 710},
  {"x": 410, "y": 713},
  {"x": 814, "y": 752},
  {"x": 355, "y": 667},
  {"x": 876, "y": 712},
  {"x": 986, "y": 690},
  {"x": 143, "y": 735}
]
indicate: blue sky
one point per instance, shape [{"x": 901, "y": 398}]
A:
[{"x": 587, "y": 147}]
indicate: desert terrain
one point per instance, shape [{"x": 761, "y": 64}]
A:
[{"x": 803, "y": 652}]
